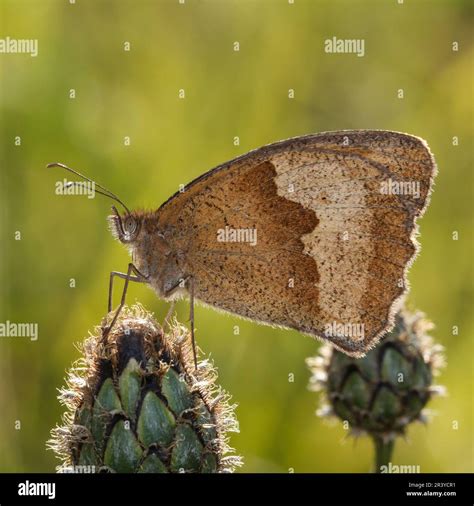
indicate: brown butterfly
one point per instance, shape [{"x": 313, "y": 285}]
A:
[{"x": 313, "y": 233}]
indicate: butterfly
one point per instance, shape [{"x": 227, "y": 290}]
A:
[{"x": 314, "y": 233}]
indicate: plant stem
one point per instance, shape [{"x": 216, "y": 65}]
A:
[{"x": 383, "y": 452}]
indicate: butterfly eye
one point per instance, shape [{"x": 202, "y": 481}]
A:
[{"x": 130, "y": 225}]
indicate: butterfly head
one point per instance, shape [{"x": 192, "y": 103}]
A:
[
  {"x": 151, "y": 253},
  {"x": 126, "y": 227}
]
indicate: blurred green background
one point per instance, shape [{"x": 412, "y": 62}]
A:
[{"x": 228, "y": 94}]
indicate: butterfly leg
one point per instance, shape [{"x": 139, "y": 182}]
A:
[
  {"x": 191, "y": 318},
  {"x": 138, "y": 278},
  {"x": 189, "y": 280}
]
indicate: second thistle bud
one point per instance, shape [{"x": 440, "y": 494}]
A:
[{"x": 383, "y": 392}]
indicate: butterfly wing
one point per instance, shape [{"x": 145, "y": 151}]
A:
[{"x": 314, "y": 233}]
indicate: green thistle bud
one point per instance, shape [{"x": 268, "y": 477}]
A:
[
  {"x": 136, "y": 403},
  {"x": 382, "y": 393}
]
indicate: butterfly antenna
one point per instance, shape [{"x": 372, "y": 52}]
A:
[{"x": 104, "y": 192}]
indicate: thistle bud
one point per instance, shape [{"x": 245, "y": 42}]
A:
[
  {"x": 137, "y": 404},
  {"x": 382, "y": 393}
]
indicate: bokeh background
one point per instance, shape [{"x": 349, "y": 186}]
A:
[{"x": 228, "y": 94}]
